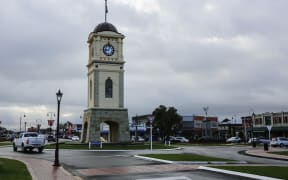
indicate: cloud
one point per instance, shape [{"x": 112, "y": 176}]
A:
[{"x": 230, "y": 56}]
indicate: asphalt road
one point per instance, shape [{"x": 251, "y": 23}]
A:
[
  {"x": 231, "y": 152},
  {"x": 73, "y": 160},
  {"x": 183, "y": 175}
]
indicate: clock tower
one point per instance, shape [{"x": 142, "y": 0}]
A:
[{"x": 105, "y": 86}]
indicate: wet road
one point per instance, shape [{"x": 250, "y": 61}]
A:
[
  {"x": 183, "y": 175},
  {"x": 75, "y": 160},
  {"x": 230, "y": 152}
]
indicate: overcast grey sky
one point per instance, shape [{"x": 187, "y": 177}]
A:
[{"x": 230, "y": 55}]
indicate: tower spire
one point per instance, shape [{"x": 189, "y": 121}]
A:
[{"x": 106, "y": 11}]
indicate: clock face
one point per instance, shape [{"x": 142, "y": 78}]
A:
[{"x": 108, "y": 49}]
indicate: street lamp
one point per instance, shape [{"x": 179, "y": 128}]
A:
[
  {"x": 38, "y": 124},
  {"x": 21, "y": 120},
  {"x": 25, "y": 123},
  {"x": 252, "y": 130},
  {"x": 151, "y": 118},
  {"x": 51, "y": 120},
  {"x": 135, "y": 124},
  {"x": 59, "y": 95},
  {"x": 206, "y": 121}
]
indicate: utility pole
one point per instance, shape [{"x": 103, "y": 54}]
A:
[{"x": 206, "y": 121}]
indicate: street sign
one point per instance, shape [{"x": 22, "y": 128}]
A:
[
  {"x": 150, "y": 118},
  {"x": 269, "y": 130},
  {"x": 50, "y": 122},
  {"x": 269, "y": 127}
]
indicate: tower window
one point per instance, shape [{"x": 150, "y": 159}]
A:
[{"x": 108, "y": 88}]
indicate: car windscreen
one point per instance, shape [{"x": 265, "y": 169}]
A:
[{"x": 30, "y": 135}]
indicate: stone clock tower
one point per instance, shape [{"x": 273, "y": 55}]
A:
[{"x": 105, "y": 86}]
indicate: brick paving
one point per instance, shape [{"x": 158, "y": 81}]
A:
[{"x": 136, "y": 169}]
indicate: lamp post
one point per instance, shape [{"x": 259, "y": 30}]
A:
[
  {"x": 38, "y": 124},
  {"x": 206, "y": 121},
  {"x": 51, "y": 120},
  {"x": 151, "y": 118},
  {"x": 59, "y": 95},
  {"x": 21, "y": 120},
  {"x": 252, "y": 130},
  {"x": 25, "y": 123},
  {"x": 136, "y": 123}
]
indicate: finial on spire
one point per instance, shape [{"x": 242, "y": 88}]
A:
[{"x": 106, "y": 11}]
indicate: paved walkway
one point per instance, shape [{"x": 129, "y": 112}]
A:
[
  {"x": 44, "y": 170},
  {"x": 259, "y": 152}
]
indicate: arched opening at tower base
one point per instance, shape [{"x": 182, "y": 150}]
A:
[
  {"x": 109, "y": 131},
  {"x": 117, "y": 119}
]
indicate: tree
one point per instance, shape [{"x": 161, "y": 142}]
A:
[
  {"x": 67, "y": 125},
  {"x": 168, "y": 121}
]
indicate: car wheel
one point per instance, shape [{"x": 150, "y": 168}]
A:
[
  {"x": 14, "y": 148},
  {"x": 281, "y": 145},
  {"x": 23, "y": 148},
  {"x": 40, "y": 150}
]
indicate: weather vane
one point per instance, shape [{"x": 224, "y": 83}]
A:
[{"x": 106, "y": 11}]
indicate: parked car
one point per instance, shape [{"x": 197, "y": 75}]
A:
[
  {"x": 279, "y": 141},
  {"x": 139, "y": 139},
  {"x": 51, "y": 138},
  {"x": 179, "y": 139},
  {"x": 264, "y": 140},
  {"x": 259, "y": 140},
  {"x": 233, "y": 140},
  {"x": 251, "y": 140},
  {"x": 75, "y": 138}
]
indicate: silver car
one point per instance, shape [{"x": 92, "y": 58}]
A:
[
  {"x": 180, "y": 139},
  {"x": 279, "y": 141},
  {"x": 233, "y": 140}
]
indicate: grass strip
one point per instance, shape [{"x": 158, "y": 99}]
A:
[
  {"x": 284, "y": 153},
  {"x": 184, "y": 157},
  {"x": 270, "y": 171},
  {"x": 12, "y": 169},
  {"x": 80, "y": 146},
  {"x": 5, "y": 143},
  {"x": 200, "y": 144}
]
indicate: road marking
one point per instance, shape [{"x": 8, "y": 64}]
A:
[{"x": 169, "y": 178}]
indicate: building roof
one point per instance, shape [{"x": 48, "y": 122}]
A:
[{"x": 105, "y": 26}]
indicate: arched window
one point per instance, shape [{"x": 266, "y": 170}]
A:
[{"x": 108, "y": 88}]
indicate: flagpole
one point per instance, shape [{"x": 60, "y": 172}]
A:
[{"x": 106, "y": 11}]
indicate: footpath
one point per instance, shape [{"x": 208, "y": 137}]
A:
[
  {"x": 261, "y": 153},
  {"x": 41, "y": 169},
  {"x": 44, "y": 170}
]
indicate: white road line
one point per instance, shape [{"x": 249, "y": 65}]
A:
[{"x": 169, "y": 178}]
